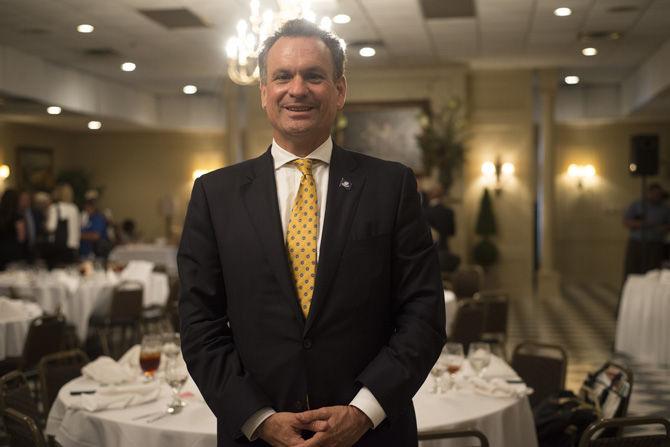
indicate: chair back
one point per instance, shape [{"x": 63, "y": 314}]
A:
[
  {"x": 496, "y": 307},
  {"x": 15, "y": 393},
  {"x": 127, "y": 300},
  {"x": 590, "y": 436},
  {"x": 468, "y": 324},
  {"x": 542, "y": 366},
  {"x": 55, "y": 370},
  {"x": 609, "y": 389},
  {"x": 467, "y": 281},
  {"x": 46, "y": 335},
  {"x": 453, "y": 434},
  {"x": 22, "y": 430}
]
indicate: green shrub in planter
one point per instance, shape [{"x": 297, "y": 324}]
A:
[{"x": 485, "y": 253}]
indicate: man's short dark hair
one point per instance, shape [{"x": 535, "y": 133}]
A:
[{"x": 304, "y": 28}]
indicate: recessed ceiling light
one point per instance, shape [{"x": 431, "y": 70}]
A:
[
  {"x": 367, "y": 52},
  {"x": 190, "y": 89},
  {"x": 94, "y": 125},
  {"x": 128, "y": 66},
  {"x": 85, "y": 28},
  {"x": 590, "y": 51},
  {"x": 562, "y": 12},
  {"x": 54, "y": 110},
  {"x": 571, "y": 80},
  {"x": 341, "y": 19}
]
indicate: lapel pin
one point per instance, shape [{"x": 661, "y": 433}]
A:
[{"x": 344, "y": 183}]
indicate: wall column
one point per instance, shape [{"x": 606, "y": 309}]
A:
[
  {"x": 548, "y": 278},
  {"x": 236, "y": 121}
]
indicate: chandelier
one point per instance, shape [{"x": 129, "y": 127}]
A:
[{"x": 243, "y": 49}]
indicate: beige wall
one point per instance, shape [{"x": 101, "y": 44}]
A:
[
  {"x": 501, "y": 113},
  {"x": 590, "y": 237},
  {"x": 138, "y": 170}
]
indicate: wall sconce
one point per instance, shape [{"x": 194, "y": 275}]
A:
[
  {"x": 581, "y": 173},
  {"x": 4, "y": 171},
  {"x": 496, "y": 172}
]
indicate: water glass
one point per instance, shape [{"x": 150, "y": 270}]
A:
[
  {"x": 479, "y": 356},
  {"x": 150, "y": 354}
]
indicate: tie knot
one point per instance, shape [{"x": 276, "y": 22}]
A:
[{"x": 304, "y": 165}]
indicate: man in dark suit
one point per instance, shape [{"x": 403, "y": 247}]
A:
[{"x": 311, "y": 308}]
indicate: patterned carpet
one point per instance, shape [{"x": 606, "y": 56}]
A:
[{"x": 582, "y": 321}]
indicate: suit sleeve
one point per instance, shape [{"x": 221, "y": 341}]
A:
[
  {"x": 397, "y": 372},
  {"x": 208, "y": 344}
]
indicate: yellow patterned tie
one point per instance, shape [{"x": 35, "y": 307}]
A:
[{"x": 301, "y": 235}]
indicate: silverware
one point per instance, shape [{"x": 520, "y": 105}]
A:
[{"x": 169, "y": 411}]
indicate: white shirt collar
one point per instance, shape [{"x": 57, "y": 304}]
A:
[{"x": 281, "y": 156}]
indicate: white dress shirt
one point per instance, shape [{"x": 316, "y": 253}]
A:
[
  {"x": 70, "y": 213},
  {"x": 287, "y": 177}
]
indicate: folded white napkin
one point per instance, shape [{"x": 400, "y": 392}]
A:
[
  {"x": 116, "y": 397},
  {"x": 664, "y": 277},
  {"x": 137, "y": 271},
  {"x": 498, "y": 387},
  {"x": 17, "y": 309},
  {"x": 107, "y": 371},
  {"x": 71, "y": 282}
]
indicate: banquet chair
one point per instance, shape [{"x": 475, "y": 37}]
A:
[
  {"x": 451, "y": 434},
  {"x": 589, "y": 437},
  {"x": 15, "y": 393},
  {"x": 22, "y": 430},
  {"x": 542, "y": 367},
  {"x": 467, "y": 281},
  {"x": 468, "y": 323},
  {"x": 46, "y": 335},
  {"x": 496, "y": 307},
  {"x": 55, "y": 370},
  {"x": 120, "y": 328}
]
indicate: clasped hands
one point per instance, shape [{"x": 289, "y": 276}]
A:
[{"x": 338, "y": 426}]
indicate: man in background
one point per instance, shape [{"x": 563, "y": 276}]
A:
[{"x": 648, "y": 221}]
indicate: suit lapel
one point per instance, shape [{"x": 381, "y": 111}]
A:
[
  {"x": 340, "y": 209},
  {"x": 260, "y": 199}
]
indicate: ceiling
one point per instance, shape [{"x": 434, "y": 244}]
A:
[{"x": 502, "y": 34}]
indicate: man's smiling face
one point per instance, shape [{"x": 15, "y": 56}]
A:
[{"x": 299, "y": 95}]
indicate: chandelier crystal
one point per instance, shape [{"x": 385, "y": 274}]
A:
[{"x": 243, "y": 48}]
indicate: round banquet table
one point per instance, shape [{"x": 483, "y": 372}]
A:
[
  {"x": 14, "y": 328},
  {"x": 643, "y": 323},
  {"x": 507, "y": 422},
  {"x": 165, "y": 255},
  {"x": 77, "y": 297}
]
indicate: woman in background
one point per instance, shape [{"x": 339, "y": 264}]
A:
[{"x": 63, "y": 227}]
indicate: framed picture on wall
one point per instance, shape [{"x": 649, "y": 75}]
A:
[
  {"x": 36, "y": 168},
  {"x": 385, "y": 130}
]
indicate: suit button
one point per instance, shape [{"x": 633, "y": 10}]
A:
[{"x": 307, "y": 343}]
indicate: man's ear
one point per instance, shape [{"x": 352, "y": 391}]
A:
[
  {"x": 263, "y": 88},
  {"x": 341, "y": 86}
]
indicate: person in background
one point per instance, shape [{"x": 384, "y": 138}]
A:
[
  {"x": 93, "y": 228},
  {"x": 12, "y": 229},
  {"x": 28, "y": 216},
  {"x": 41, "y": 202},
  {"x": 128, "y": 233},
  {"x": 648, "y": 222},
  {"x": 63, "y": 227}
]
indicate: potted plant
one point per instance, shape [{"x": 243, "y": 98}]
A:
[
  {"x": 442, "y": 143},
  {"x": 485, "y": 252}
]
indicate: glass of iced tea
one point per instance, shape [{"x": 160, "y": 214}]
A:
[
  {"x": 150, "y": 354},
  {"x": 453, "y": 357}
]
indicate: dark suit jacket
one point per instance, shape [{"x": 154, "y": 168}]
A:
[{"x": 377, "y": 315}]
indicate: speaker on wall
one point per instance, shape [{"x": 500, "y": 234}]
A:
[{"x": 644, "y": 154}]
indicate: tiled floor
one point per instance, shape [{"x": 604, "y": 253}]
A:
[{"x": 582, "y": 321}]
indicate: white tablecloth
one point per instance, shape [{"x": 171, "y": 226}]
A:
[
  {"x": 14, "y": 328},
  {"x": 77, "y": 297},
  {"x": 643, "y": 324},
  {"x": 165, "y": 255},
  {"x": 507, "y": 422}
]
